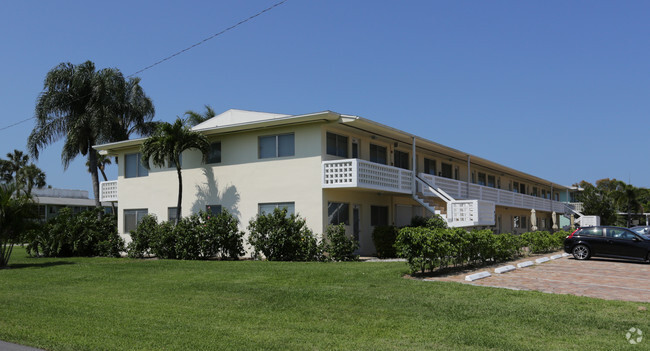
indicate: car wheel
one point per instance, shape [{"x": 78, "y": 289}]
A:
[{"x": 581, "y": 252}]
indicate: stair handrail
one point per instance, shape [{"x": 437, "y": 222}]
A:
[{"x": 438, "y": 192}]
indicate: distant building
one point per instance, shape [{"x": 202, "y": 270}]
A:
[{"x": 51, "y": 201}]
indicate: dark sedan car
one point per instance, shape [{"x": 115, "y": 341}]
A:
[{"x": 605, "y": 241}]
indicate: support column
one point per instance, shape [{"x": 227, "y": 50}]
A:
[
  {"x": 415, "y": 169},
  {"x": 469, "y": 173}
]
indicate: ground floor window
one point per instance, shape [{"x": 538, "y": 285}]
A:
[
  {"x": 269, "y": 207},
  {"x": 213, "y": 209},
  {"x": 171, "y": 214},
  {"x": 378, "y": 215},
  {"x": 338, "y": 213},
  {"x": 132, "y": 218}
]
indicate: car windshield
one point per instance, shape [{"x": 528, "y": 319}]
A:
[{"x": 645, "y": 231}]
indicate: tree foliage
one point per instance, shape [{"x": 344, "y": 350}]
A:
[
  {"x": 165, "y": 146},
  {"x": 16, "y": 217}
]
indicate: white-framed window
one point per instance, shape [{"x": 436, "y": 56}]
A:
[
  {"x": 338, "y": 212},
  {"x": 378, "y": 154},
  {"x": 266, "y": 208},
  {"x": 337, "y": 145},
  {"x": 281, "y": 145},
  {"x": 133, "y": 217},
  {"x": 214, "y": 153},
  {"x": 171, "y": 214},
  {"x": 133, "y": 166}
]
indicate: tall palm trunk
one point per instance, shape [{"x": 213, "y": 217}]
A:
[
  {"x": 92, "y": 161},
  {"x": 180, "y": 192}
]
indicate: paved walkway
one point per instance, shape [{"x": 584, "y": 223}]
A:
[
  {"x": 6, "y": 346},
  {"x": 596, "y": 277}
]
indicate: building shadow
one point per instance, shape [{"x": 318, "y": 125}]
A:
[{"x": 208, "y": 194}]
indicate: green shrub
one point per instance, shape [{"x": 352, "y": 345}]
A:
[
  {"x": 199, "y": 236},
  {"x": 143, "y": 237},
  {"x": 282, "y": 237},
  {"x": 84, "y": 234},
  {"x": 384, "y": 239},
  {"x": 435, "y": 221},
  {"x": 340, "y": 246}
]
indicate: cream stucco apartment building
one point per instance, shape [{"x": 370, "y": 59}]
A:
[{"x": 330, "y": 168}]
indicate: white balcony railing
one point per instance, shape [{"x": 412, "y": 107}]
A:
[
  {"x": 356, "y": 173},
  {"x": 108, "y": 191},
  {"x": 459, "y": 190}
]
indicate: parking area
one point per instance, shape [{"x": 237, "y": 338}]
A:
[{"x": 596, "y": 277}]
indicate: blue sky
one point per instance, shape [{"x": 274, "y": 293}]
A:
[{"x": 558, "y": 89}]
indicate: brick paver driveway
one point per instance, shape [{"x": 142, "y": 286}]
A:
[{"x": 596, "y": 277}]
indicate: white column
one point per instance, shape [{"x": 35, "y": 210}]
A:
[{"x": 414, "y": 167}]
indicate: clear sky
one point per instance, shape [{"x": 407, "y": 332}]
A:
[{"x": 558, "y": 89}]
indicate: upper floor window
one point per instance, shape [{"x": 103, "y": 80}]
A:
[
  {"x": 337, "y": 145},
  {"x": 214, "y": 153},
  {"x": 491, "y": 181},
  {"x": 401, "y": 159},
  {"x": 378, "y": 154},
  {"x": 133, "y": 166},
  {"x": 430, "y": 166},
  {"x": 534, "y": 191},
  {"x": 446, "y": 170},
  {"x": 271, "y": 146},
  {"x": 482, "y": 179}
]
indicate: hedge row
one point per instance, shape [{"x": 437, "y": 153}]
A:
[
  {"x": 84, "y": 234},
  {"x": 427, "y": 249}
]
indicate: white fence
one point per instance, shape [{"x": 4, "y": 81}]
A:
[
  {"x": 356, "y": 173},
  {"x": 469, "y": 213},
  {"x": 108, "y": 191},
  {"x": 459, "y": 190}
]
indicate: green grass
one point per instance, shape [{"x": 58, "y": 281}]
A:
[{"x": 125, "y": 304}]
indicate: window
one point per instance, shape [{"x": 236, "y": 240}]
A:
[
  {"x": 171, "y": 214},
  {"x": 132, "y": 218},
  {"x": 213, "y": 209},
  {"x": 430, "y": 166},
  {"x": 378, "y": 215},
  {"x": 446, "y": 170},
  {"x": 214, "y": 153},
  {"x": 133, "y": 166},
  {"x": 516, "y": 223},
  {"x": 338, "y": 212},
  {"x": 591, "y": 231},
  {"x": 269, "y": 207},
  {"x": 523, "y": 222},
  {"x": 401, "y": 159},
  {"x": 276, "y": 146},
  {"x": 544, "y": 193},
  {"x": 482, "y": 179},
  {"x": 355, "y": 149},
  {"x": 491, "y": 181},
  {"x": 337, "y": 145},
  {"x": 557, "y": 197},
  {"x": 522, "y": 188},
  {"x": 378, "y": 154},
  {"x": 515, "y": 187},
  {"x": 534, "y": 191}
]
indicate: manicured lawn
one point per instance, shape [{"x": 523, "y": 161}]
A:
[{"x": 124, "y": 304}]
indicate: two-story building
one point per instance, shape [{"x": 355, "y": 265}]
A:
[{"x": 330, "y": 168}]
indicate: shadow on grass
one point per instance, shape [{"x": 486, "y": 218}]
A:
[{"x": 37, "y": 265}]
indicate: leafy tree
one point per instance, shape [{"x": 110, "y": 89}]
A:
[
  {"x": 194, "y": 118},
  {"x": 627, "y": 198},
  {"x": 166, "y": 145},
  {"x": 597, "y": 201},
  {"x": 15, "y": 218}
]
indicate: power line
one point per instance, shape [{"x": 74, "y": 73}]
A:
[{"x": 180, "y": 52}]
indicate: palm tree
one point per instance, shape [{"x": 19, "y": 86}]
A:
[
  {"x": 134, "y": 111},
  {"x": 12, "y": 166},
  {"x": 166, "y": 145},
  {"x": 31, "y": 176},
  {"x": 77, "y": 104},
  {"x": 194, "y": 118},
  {"x": 24, "y": 177},
  {"x": 627, "y": 196},
  {"x": 102, "y": 162}
]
